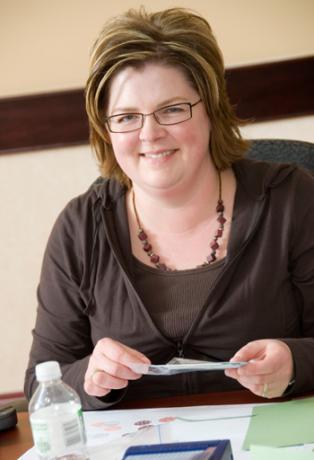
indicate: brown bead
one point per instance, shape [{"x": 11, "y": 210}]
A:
[
  {"x": 219, "y": 233},
  {"x": 220, "y": 207},
  {"x": 214, "y": 245},
  {"x": 154, "y": 258},
  {"x": 146, "y": 246},
  {"x": 142, "y": 235},
  {"x": 221, "y": 220},
  {"x": 211, "y": 258}
]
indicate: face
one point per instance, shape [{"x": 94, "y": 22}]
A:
[{"x": 156, "y": 157}]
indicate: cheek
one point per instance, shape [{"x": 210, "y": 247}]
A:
[
  {"x": 195, "y": 138},
  {"x": 201, "y": 136},
  {"x": 195, "y": 134},
  {"x": 123, "y": 145}
]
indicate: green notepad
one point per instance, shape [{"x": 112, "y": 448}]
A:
[
  {"x": 282, "y": 424},
  {"x": 273, "y": 453}
]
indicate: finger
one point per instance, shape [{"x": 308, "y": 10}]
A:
[
  {"x": 104, "y": 380},
  {"x": 258, "y": 368},
  {"x": 118, "y": 352},
  {"x": 255, "y": 380},
  {"x": 257, "y": 389},
  {"x": 232, "y": 373},
  {"x": 114, "y": 368},
  {"x": 265, "y": 390},
  {"x": 249, "y": 378},
  {"x": 272, "y": 364},
  {"x": 98, "y": 383},
  {"x": 250, "y": 370},
  {"x": 265, "y": 385},
  {"x": 257, "y": 355},
  {"x": 93, "y": 390},
  {"x": 268, "y": 390},
  {"x": 251, "y": 351}
]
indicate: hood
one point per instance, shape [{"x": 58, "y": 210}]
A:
[
  {"x": 108, "y": 191},
  {"x": 258, "y": 176}
]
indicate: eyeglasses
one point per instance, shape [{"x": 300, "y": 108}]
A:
[{"x": 168, "y": 115}]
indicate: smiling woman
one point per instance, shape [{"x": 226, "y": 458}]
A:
[
  {"x": 167, "y": 147},
  {"x": 166, "y": 38},
  {"x": 169, "y": 254}
]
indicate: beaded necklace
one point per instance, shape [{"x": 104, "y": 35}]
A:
[{"x": 214, "y": 244}]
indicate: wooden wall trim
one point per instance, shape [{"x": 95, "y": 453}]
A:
[
  {"x": 11, "y": 396},
  {"x": 273, "y": 90},
  {"x": 259, "y": 92},
  {"x": 42, "y": 121}
]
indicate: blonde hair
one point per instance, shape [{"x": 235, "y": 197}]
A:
[{"x": 176, "y": 37}]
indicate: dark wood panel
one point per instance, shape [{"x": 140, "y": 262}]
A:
[
  {"x": 259, "y": 92},
  {"x": 10, "y": 396},
  {"x": 273, "y": 90},
  {"x": 43, "y": 121}
]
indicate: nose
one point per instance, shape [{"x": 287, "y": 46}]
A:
[{"x": 151, "y": 129}]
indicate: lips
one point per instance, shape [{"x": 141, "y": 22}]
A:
[{"x": 159, "y": 154}]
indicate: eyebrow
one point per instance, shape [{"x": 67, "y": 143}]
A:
[{"x": 173, "y": 100}]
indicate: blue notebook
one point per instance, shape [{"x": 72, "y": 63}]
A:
[{"x": 203, "y": 450}]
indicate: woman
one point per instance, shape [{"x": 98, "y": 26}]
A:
[{"x": 185, "y": 248}]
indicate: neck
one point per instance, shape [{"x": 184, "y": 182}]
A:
[
  {"x": 178, "y": 213},
  {"x": 214, "y": 245}
]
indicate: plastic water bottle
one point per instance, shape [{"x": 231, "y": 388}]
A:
[{"x": 56, "y": 417}]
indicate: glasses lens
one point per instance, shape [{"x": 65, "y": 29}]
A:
[
  {"x": 125, "y": 122},
  {"x": 173, "y": 113}
]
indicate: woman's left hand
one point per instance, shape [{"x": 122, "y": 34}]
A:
[{"x": 269, "y": 369}]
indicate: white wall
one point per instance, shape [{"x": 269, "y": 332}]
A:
[
  {"x": 34, "y": 187},
  {"x": 44, "y": 46},
  {"x": 301, "y": 128}
]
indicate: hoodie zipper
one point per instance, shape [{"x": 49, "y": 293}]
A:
[{"x": 180, "y": 351}]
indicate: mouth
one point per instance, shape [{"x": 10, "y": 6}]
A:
[{"x": 160, "y": 154}]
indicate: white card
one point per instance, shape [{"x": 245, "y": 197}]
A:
[{"x": 181, "y": 365}]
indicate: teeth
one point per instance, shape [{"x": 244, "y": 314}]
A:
[{"x": 158, "y": 155}]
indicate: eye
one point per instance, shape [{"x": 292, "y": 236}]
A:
[
  {"x": 125, "y": 118},
  {"x": 173, "y": 109}
]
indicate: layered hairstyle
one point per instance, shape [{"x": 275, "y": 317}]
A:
[{"x": 174, "y": 37}]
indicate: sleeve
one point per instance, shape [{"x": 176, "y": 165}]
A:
[
  {"x": 62, "y": 330},
  {"x": 302, "y": 277}
]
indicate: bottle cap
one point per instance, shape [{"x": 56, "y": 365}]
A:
[{"x": 50, "y": 370}]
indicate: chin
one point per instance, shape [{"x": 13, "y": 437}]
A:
[{"x": 162, "y": 187}]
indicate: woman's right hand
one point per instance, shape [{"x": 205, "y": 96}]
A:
[{"x": 108, "y": 367}]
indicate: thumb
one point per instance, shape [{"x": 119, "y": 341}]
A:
[{"x": 251, "y": 351}]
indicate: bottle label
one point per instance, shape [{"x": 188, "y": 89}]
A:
[{"x": 57, "y": 432}]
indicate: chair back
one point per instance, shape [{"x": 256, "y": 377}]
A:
[{"x": 283, "y": 151}]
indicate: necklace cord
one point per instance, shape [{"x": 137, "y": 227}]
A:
[{"x": 214, "y": 244}]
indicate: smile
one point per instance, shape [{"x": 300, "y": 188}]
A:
[{"x": 163, "y": 154}]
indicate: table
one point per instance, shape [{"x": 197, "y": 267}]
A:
[{"x": 14, "y": 442}]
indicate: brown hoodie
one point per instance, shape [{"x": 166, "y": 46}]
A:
[{"x": 265, "y": 289}]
